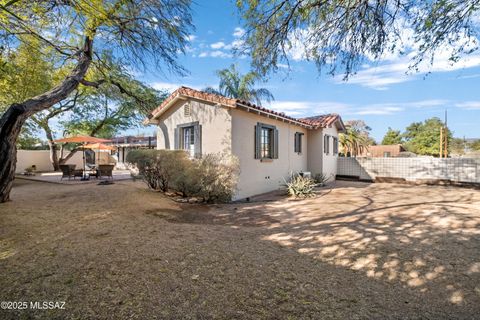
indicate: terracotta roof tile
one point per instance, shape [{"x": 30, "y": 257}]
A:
[{"x": 321, "y": 121}]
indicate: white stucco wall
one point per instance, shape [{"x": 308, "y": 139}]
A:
[
  {"x": 259, "y": 177},
  {"x": 329, "y": 162},
  {"x": 315, "y": 151},
  {"x": 41, "y": 159},
  {"x": 215, "y": 121}
]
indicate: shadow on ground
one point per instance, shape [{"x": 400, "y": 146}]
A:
[{"x": 357, "y": 251}]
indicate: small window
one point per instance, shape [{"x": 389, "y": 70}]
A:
[
  {"x": 266, "y": 141},
  {"x": 188, "y": 140},
  {"x": 335, "y": 145},
  {"x": 187, "y": 110},
  {"x": 297, "y": 145},
  {"x": 387, "y": 154},
  {"x": 326, "y": 144},
  {"x": 188, "y": 137}
]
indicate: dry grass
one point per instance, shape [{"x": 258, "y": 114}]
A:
[{"x": 356, "y": 251}]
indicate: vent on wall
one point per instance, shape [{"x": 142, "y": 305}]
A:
[{"x": 187, "y": 110}]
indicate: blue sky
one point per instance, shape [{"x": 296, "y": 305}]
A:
[{"x": 381, "y": 93}]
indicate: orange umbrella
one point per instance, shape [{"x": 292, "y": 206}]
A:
[
  {"x": 82, "y": 139},
  {"x": 98, "y": 146}
]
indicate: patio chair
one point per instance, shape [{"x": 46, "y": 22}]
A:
[
  {"x": 69, "y": 171},
  {"x": 105, "y": 170}
]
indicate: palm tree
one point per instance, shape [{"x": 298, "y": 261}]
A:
[
  {"x": 234, "y": 85},
  {"x": 353, "y": 142}
]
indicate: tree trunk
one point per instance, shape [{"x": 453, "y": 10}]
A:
[
  {"x": 69, "y": 155},
  {"x": 10, "y": 127},
  {"x": 13, "y": 119},
  {"x": 53, "y": 149}
]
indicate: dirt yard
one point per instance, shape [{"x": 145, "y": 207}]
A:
[{"x": 356, "y": 251}]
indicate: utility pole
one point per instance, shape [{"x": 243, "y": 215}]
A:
[{"x": 445, "y": 136}]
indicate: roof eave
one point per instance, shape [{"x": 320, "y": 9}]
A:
[{"x": 272, "y": 115}]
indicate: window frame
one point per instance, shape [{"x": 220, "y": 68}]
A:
[
  {"x": 197, "y": 138},
  {"x": 298, "y": 141},
  {"x": 326, "y": 144},
  {"x": 259, "y": 144},
  {"x": 266, "y": 148},
  {"x": 335, "y": 145}
]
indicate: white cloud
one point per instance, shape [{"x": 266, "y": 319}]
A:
[
  {"x": 172, "y": 86},
  {"x": 238, "y": 32},
  {"x": 217, "y": 45},
  {"x": 311, "y": 108},
  {"x": 468, "y": 105},
  {"x": 219, "y": 54},
  {"x": 378, "y": 110},
  {"x": 165, "y": 86}
]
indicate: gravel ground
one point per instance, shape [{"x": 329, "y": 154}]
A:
[{"x": 356, "y": 251}]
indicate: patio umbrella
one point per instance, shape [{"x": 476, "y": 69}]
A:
[
  {"x": 84, "y": 139},
  {"x": 98, "y": 146}
]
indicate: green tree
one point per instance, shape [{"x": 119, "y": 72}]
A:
[
  {"x": 235, "y": 85},
  {"x": 424, "y": 137},
  {"x": 392, "y": 137},
  {"x": 457, "y": 146},
  {"x": 475, "y": 145},
  {"x": 339, "y": 35},
  {"x": 138, "y": 31}
]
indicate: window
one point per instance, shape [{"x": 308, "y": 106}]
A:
[
  {"x": 266, "y": 141},
  {"x": 387, "y": 154},
  {"x": 188, "y": 137},
  {"x": 188, "y": 140},
  {"x": 297, "y": 145},
  {"x": 335, "y": 145},
  {"x": 326, "y": 144}
]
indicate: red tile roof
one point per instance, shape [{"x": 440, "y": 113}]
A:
[{"x": 321, "y": 121}]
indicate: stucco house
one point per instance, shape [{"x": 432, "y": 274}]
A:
[{"x": 269, "y": 145}]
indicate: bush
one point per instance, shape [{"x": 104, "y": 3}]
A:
[
  {"x": 320, "y": 178},
  {"x": 300, "y": 187},
  {"x": 218, "y": 177},
  {"x": 157, "y": 167},
  {"x": 213, "y": 178}
]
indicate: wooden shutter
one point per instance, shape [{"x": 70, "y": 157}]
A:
[
  {"x": 257, "y": 139},
  {"x": 197, "y": 139},
  {"x": 299, "y": 143},
  {"x": 176, "y": 138},
  {"x": 295, "y": 143},
  {"x": 275, "y": 143}
]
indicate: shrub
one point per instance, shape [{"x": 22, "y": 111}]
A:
[
  {"x": 320, "y": 178},
  {"x": 213, "y": 178},
  {"x": 218, "y": 177},
  {"x": 157, "y": 167},
  {"x": 300, "y": 187}
]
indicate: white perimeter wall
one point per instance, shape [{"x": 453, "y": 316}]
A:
[
  {"x": 41, "y": 158},
  {"x": 455, "y": 169}
]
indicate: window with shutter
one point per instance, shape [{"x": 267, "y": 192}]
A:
[
  {"x": 326, "y": 144},
  {"x": 298, "y": 142},
  {"x": 188, "y": 137},
  {"x": 335, "y": 145},
  {"x": 266, "y": 141}
]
